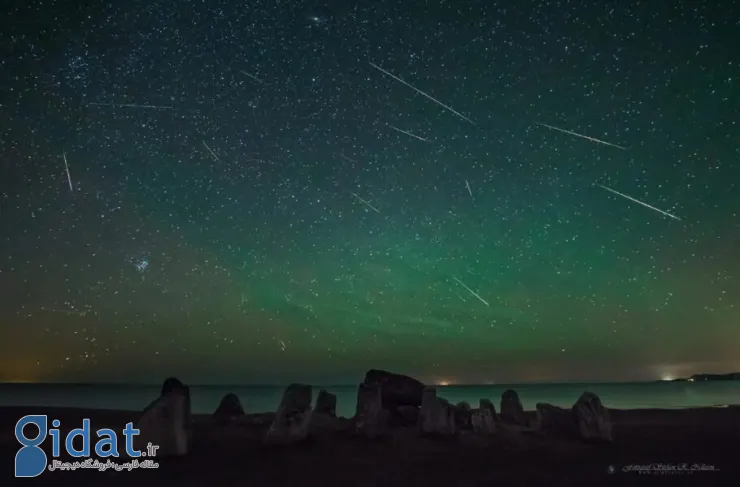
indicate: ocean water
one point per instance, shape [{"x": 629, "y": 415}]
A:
[{"x": 205, "y": 399}]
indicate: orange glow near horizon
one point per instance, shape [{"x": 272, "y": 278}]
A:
[{"x": 20, "y": 370}]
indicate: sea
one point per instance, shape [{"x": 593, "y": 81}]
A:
[{"x": 257, "y": 399}]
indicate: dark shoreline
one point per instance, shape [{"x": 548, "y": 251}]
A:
[{"x": 225, "y": 454}]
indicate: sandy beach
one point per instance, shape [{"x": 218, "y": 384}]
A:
[{"x": 706, "y": 441}]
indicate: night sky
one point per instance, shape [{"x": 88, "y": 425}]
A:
[{"x": 273, "y": 191}]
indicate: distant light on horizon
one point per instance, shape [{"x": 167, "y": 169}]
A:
[{"x": 667, "y": 377}]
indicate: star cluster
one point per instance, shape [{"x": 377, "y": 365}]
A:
[{"x": 464, "y": 191}]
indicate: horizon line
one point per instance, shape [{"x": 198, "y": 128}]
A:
[{"x": 347, "y": 384}]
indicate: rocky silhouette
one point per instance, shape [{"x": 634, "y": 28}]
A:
[
  {"x": 293, "y": 417},
  {"x": 469, "y": 446},
  {"x": 512, "y": 411},
  {"x": 326, "y": 403},
  {"x": 555, "y": 420},
  {"x": 437, "y": 415},
  {"x": 229, "y": 408},
  {"x": 487, "y": 404},
  {"x": 463, "y": 416},
  {"x": 592, "y": 418},
  {"x": 171, "y": 384},
  {"x": 166, "y": 422},
  {"x": 371, "y": 420},
  {"x": 482, "y": 421},
  {"x": 396, "y": 389},
  {"x": 385, "y": 402}
]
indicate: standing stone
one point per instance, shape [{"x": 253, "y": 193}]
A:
[
  {"x": 324, "y": 417},
  {"x": 164, "y": 424},
  {"x": 171, "y": 384},
  {"x": 371, "y": 419},
  {"x": 437, "y": 416},
  {"x": 512, "y": 411},
  {"x": 230, "y": 407},
  {"x": 592, "y": 418},
  {"x": 487, "y": 404},
  {"x": 483, "y": 421},
  {"x": 555, "y": 420},
  {"x": 396, "y": 389},
  {"x": 326, "y": 403},
  {"x": 463, "y": 415},
  {"x": 293, "y": 417}
]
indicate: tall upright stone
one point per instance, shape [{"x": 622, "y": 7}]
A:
[
  {"x": 487, "y": 404},
  {"x": 482, "y": 421},
  {"x": 166, "y": 422},
  {"x": 293, "y": 417},
  {"x": 326, "y": 403},
  {"x": 371, "y": 420},
  {"x": 463, "y": 416},
  {"x": 173, "y": 384},
  {"x": 512, "y": 411},
  {"x": 437, "y": 416}
]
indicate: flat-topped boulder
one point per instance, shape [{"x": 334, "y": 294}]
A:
[
  {"x": 166, "y": 422},
  {"x": 293, "y": 417},
  {"x": 592, "y": 418},
  {"x": 512, "y": 411},
  {"x": 396, "y": 389},
  {"x": 326, "y": 403},
  {"x": 437, "y": 416},
  {"x": 229, "y": 408},
  {"x": 371, "y": 420}
]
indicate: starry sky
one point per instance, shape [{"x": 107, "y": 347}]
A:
[{"x": 271, "y": 191}]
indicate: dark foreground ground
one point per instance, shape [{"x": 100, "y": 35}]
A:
[{"x": 233, "y": 455}]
